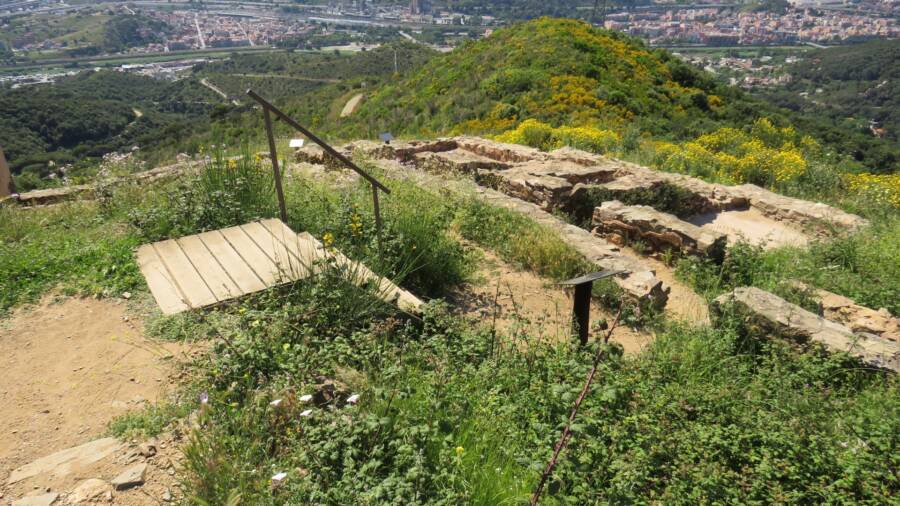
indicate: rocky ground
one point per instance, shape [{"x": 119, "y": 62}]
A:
[{"x": 69, "y": 367}]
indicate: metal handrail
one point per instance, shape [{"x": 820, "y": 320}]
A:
[{"x": 267, "y": 108}]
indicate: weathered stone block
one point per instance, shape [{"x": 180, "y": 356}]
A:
[
  {"x": 456, "y": 161},
  {"x": 814, "y": 216},
  {"x": 860, "y": 319},
  {"x": 781, "y": 318},
  {"x": 658, "y": 229},
  {"x": 499, "y": 151}
]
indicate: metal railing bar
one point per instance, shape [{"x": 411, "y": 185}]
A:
[{"x": 324, "y": 145}]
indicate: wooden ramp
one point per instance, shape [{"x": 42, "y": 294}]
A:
[{"x": 213, "y": 267}]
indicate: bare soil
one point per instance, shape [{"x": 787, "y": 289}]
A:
[
  {"x": 67, "y": 368},
  {"x": 751, "y": 226},
  {"x": 522, "y": 303}
]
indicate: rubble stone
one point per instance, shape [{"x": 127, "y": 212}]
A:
[
  {"x": 860, "y": 319},
  {"x": 37, "y": 500},
  {"x": 131, "y": 477},
  {"x": 89, "y": 491}
]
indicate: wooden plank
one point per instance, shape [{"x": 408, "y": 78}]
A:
[
  {"x": 217, "y": 279},
  {"x": 161, "y": 285},
  {"x": 304, "y": 248},
  {"x": 262, "y": 265},
  {"x": 237, "y": 269},
  {"x": 276, "y": 249},
  {"x": 185, "y": 275}
]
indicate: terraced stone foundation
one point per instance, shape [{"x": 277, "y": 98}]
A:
[
  {"x": 617, "y": 200},
  {"x": 777, "y": 316}
]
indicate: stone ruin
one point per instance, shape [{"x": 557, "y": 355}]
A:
[
  {"x": 620, "y": 203},
  {"x": 624, "y": 203}
]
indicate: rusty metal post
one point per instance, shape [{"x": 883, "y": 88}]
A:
[
  {"x": 581, "y": 311},
  {"x": 377, "y": 207},
  {"x": 581, "y": 306},
  {"x": 273, "y": 153}
]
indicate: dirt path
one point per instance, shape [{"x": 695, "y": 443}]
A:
[
  {"x": 526, "y": 303},
  {"x": 68, "y": 369},
  {"x": 351, "y": 105}
]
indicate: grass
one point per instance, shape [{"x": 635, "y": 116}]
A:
[
  {"x": 70, "y": 246},
  {"x": 151, "y": 420},
  {"x": 705, "y": 415},
  {"x": 519, "y": 240},
  {"x": 863, "y": 266}
]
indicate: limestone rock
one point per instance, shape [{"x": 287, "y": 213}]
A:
[
  {"x": 658, "y": 229},
  {"x": 858, "y": 318},
  {"x": 147, "y": 448},
  {"x": 813, "y": 215},
  {"x": 37, "y": 500},
  {"x": 131, "y": 477},
  {"x": 500, "y": 151},
  {"x": 64, "y": 462},
  {"x": 784, "y": 319},
  {"x": 456, "y": 161},
  {"x": 89, "y": 491}
]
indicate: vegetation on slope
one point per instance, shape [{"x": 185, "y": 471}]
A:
[
  {"x": 840, "y": 90},
  {"x": 81, "y": 118},
  {"x": 451, "y": 412},
  {"x": 552, "y": 70}
]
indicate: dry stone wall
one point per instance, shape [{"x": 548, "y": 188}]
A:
[{"x": 658, "y": 230}]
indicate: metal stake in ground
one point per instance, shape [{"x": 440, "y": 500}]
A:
[
  {"x": 273, "y": 153},
  {"x": 581, "y": 308},
  {"x": 567, "y": 431}
]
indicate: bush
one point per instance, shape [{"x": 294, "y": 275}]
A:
[{"x": 542, "y": 136}]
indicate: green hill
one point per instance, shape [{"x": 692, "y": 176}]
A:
[
  {"x": 558, "y": 71},
  {"x": 81, "y": 118},
  {"x": 565, "y": 73}
]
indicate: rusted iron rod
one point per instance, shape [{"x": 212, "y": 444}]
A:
[
  {"x": 273, "y": 153},
  {"x": 377, "y": 207},
  {"x": 330, "y": 150},
  {"x": 567, "y": 431}
]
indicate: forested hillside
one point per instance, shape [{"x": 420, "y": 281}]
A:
[
  {"x": 83, "y": 117},
  {"x": 852, "y": 95},
  {"x": 561, "y": 72}
]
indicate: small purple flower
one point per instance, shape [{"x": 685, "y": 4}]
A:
[{"x": 204, "y": 398}]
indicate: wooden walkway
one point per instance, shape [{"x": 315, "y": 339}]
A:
[{"x": 213, "y": 267}]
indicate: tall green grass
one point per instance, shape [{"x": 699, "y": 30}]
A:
[
  {"x": 519, "y": 240},
  {"x": 71, "y": 246},
  {"x": 449, "y": 416},
  {"x": 863, "y": 266}
]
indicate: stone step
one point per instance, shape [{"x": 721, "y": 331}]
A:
[
  {"x": 660, "y": 231},
  {"x": 790, "y": 321}
]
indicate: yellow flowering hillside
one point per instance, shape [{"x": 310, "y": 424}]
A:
[
  {"x": 881, "y": 189},
  {"x": 764, "y": 155},
  {"x": 561, "y": 72}
]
